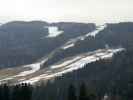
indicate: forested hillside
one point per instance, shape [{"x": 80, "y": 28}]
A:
[
  {"x": 110, "y": 78},
  {"x": 26, "y": 42}
]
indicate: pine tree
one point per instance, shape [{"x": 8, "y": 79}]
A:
[
  {"x": 72, "y": 93},
  {"x": 5, "y": 92},
  {"x": 83, "y": 92},
  {"x": 16, "y": 92},
  {"x": 0, "y": 92},
  {"x": 25, "y": 92}
]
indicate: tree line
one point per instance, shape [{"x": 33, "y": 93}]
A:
[
  {"x": 16, "y": 92},
  {"x": 26, "y": 92}
]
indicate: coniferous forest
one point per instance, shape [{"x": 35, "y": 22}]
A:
[{"x": 110, "y": 79}]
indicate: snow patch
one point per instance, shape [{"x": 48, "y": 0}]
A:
[
  {"x": 68, "y": 46},
  {"x": 34, "y": 67},
  {"x": 9, "y": 78},
  {"x": 98, "y": 29},
  {"x": 54, "y": 31},
  {"x": 65, "y": 63}
]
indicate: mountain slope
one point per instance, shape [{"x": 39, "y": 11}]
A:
[
  {"x": 25, "y": 42},
  {"x": 72, "y": 52}
]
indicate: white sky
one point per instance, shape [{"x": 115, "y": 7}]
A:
[{"x": 67, "y": 10}]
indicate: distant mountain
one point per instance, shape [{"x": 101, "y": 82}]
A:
[
  {"x": 25, "y": 42},
  {"x": 63, "y": 48},
  {"x": 109, "y": 35}
]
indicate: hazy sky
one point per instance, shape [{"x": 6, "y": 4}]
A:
[{"x": 67, "y": 10}]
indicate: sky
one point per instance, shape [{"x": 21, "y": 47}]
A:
[{"x": 98, "y": 11}]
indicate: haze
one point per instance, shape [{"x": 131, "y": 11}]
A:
[{"x": 99, "y": 11}]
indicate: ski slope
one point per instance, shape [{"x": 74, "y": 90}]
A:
[{"x": 74, "y": 63}]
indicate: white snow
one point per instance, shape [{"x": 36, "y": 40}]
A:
[
  {"x": 9, "y": 78},
  {"x": 99, "y": 28},
  {"x": 74, "y": 64},
  {"x": 68, "y": 46},
  {"x": 106, "y": 97},
  {"x": 65, "y": 63},
  {"x": 53, "y": 31},
  {"x": 33, "y": 68}
]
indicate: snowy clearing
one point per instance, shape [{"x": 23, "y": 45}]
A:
[{"x": 54, "y": 31}]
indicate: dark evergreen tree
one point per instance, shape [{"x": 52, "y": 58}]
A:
[
  {"x": 25, "y": 92},
  {"x": 16, "y": 92},
  {"x": 83, "y": 92},
  {"x": 5, "y": 92},
  {"x": 92, "y": 96},
  {"x": 0, "y": 92},
  {"x": 72, "y": 93}
]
